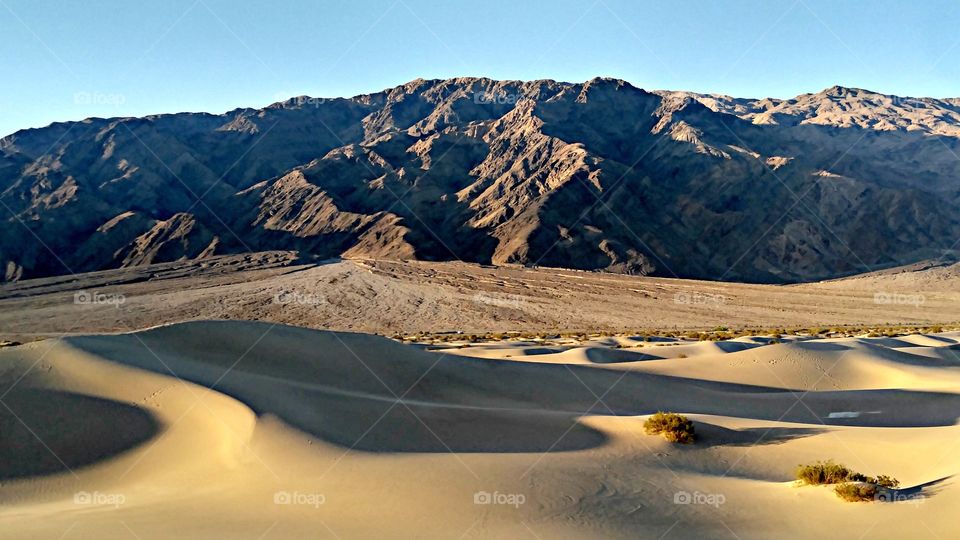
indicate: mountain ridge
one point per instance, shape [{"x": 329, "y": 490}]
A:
[
  {"x": 597, "y": 175},
  {"x": 952, "y": 101}
]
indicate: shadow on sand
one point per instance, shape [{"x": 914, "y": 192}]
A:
[
  {"x": 347, "y": 389},
  {"x": 710, "y": 435},
  {"x": 49, "y": 431}
]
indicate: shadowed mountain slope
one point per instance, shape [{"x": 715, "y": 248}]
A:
[{"x": 598, "y": 175}]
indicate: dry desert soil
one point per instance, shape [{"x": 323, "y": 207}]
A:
[{"x": 390, "y": 297}]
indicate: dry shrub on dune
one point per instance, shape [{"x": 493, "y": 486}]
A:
[
  {"x": 850, "y": 485},
  {"x": 673, "y": 427},
  {"x": 823, "y": 472},
  {"x": 856, "y": 491}
]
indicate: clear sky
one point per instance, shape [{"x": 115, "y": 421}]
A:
[{"x": 64, "y": 60}]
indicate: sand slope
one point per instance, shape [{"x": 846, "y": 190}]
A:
[{"x": 255, "y": 430}]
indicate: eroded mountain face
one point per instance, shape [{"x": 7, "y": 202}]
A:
[{"x": 599, "y": 175}]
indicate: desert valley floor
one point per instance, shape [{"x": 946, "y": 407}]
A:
[
  {"x": 391, "y": 297},
  {"x": 212, "y": 429}
]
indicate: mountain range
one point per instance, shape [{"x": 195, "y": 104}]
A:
[{"x": 599, "y": 175}]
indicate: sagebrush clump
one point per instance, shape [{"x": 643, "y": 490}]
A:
[
  {"x": 674, "y": 427},
  {"x": 856, "y": 492},
  {"x": 850, "y": 485},
  {"x": 824, "y": 472}
]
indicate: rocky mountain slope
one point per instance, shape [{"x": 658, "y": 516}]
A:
[
  {"x": 842, "y": 107},
  {"x": 598, "y": 175}
]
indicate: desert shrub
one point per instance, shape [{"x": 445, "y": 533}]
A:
[
  {"x": 856, "y": 492},
  {"x": 681, "y": 355},
  {"x": 849, "y": 485},
  {"x": 858, "y": 477},
  {"x": 886, "y": 481},
  {"x": 673, "y": 427},
  {"x": 824, "y": 472}
]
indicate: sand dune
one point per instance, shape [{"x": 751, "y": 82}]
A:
[{"x": 283, "y": 432}]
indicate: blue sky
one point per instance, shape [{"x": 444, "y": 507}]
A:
[{"x": 71, "y": 60}]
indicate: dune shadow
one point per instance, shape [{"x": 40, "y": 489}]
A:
[
  {"x": 355, "y": 403},
  {"x": 535, "y": 351},
  {"x": 736, "y": 346},
  {"x": 953, "y": 350},
  {"x": 821, "y": 346},
  {"x": 383, "y": 424},
  {"x": 945, "y": 356},
  {"x": 650, "y": 339},
  {"x": 913, "y": 494},
  {"x": 344, "y": 389},
  {"x": 889, "y": 342},
  {"x": 599, "y": 355},
  {"x": 46, "y": 432},
  {"x": 710, "y": 435},
  {"x": 431, "y": 430}
]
